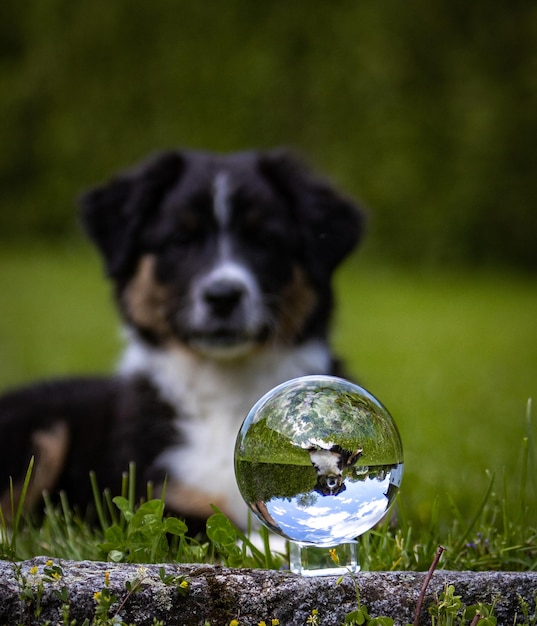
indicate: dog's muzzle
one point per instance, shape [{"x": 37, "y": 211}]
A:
[
  {"x": 224, "y": 297},
  {"x": 227, "y": 317}
]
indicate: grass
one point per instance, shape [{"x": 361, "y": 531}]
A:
[
  {"x": 454, "y": 358},
  {"x": 453, "y": 355},
  {"x": 499, "y": 536},
  {"x": 56, "y": 314}
]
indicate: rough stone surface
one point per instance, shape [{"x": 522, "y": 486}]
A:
[{"x": 216, "y": 595}]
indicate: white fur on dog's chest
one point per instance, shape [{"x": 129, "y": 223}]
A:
[
  {"x": 205, "y": 460},
  {"x": 212, "y": 398}
]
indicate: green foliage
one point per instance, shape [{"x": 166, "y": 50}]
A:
[
  {"x": 224, "y": 535},
  {"x": 499, "y": 536},
  {"x": 236, "y": 549},
  {"x": 496, "y": 537},
  {"x": 140, "y": 535},
  {"x": 130, "y": 532},
  {"x": 9, "y": 532},
  {"x": 527, "y": 618},
  {"x": 361, "y": 617},
  {"x": 145, "y": 537},
  {"x": 448, "y": 610},
  {"x": 108, "y": 605},
  {"x": 426, "y": 112}
]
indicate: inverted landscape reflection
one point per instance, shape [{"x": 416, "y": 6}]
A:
[
  {"x": 315, "y": 519},
  {"x": 319, "y": 460}
]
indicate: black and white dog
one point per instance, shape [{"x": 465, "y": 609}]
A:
[{"x": 221, "y": 267}]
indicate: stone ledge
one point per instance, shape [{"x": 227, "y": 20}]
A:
[{"x": 217, "y": 594}]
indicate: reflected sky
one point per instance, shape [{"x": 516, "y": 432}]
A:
[{"x": 329, "y": 520}]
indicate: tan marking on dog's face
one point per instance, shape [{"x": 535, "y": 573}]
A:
[
  {"x": 146, "y": 300},
  {"x": 51, "y": 447},
  {"x": 298, "y": 303}
]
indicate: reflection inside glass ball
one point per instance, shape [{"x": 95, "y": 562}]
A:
[{"x": 319, "y": 460}]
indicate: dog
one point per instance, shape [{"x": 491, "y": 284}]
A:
[
  {"x": 221, "y": 269},
  {"x": 329, "y": 464}
]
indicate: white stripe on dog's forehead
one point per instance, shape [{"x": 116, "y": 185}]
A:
[{"x": 221, "y": 199}]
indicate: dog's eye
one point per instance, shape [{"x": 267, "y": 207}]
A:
[
  {"x": 267, "y": 235},
  {"x": 187, "y": 229},
  {"x": 182, "y": 238},
  {"x": 255, "y": 229}
]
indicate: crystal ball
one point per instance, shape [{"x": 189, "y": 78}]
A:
[{"x": 319, "y": 460}]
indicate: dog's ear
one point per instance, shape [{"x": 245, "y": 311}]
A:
[
  {"x": 331, "y": 224},
  {"x": 113, "y": 213}
]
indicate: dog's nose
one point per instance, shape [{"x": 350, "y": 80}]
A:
[
  {"x": 223, "y": 296},
  {"x": 333, "y": 481}
]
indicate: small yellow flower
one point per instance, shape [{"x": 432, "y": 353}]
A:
[
  {"x": 262, "y": 623},
  {"x": 34, "y": 570},
  {"x": 334, "y": 556},
  {"x": 234, "y": 622},
  {"x": 97, "y": 596},
  {"x": 142, "y": 571},
  {"x": 184, "y": 585},
  {"x": 106, "y": 579},
  {"x": 313, "y": 619},
  {"x": 275, "y": 622},
  {"x": 56, "y": 575},
  {"x": 48, "y": 563}
]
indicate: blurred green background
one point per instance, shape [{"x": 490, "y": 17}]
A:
[{"x": 425, "y": 111}]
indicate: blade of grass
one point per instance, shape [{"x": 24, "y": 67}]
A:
[
  {"x": 524, "y": 476},
  {"x": 17, "y": 515},
  {"x": 112, "y": 510},
  {"x": 24, "y": 491},
  {"x": 53, "y": 524},
  {"x": 132, "y": 486},
  {"x": 4, "y": 535},
  {"x": 67, "y": 517},
  {"x": 98, "y": 502},
  {"x": 124, "y": 485},
  {"x": 474, "y": 520},
  {"x": 532, "y": 469},
  {"x": 150, "y": 490},
  {"x": 265, "y": 535}
]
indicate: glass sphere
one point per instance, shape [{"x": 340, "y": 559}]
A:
[{"x": 319, "y": 460}]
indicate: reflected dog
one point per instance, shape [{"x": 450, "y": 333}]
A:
[{"x": 329, "y": 465}]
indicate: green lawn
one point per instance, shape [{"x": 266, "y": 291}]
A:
[
  {"x": 453, "y": 356},
  {"x": 56, "y": 314}
]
